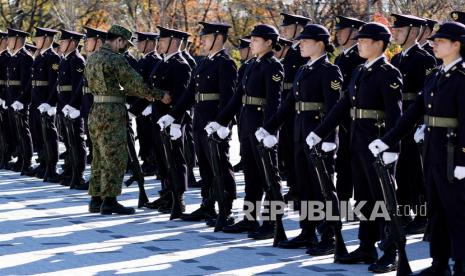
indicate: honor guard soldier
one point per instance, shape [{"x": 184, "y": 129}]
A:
[
  {"x": 415, "y": 64},
  {"x": 259, "y": 95},
  {"x": 291, "y": 26},
  {"x": 93, "y": 40},
  {"x": 110, "y": 79},
  {"x": 246, "y": 57},
  {"x": 316, "y": 89},
  {"x": 440, "y": 105},
  {"x": 146, "y": 43},
  {"x": 212, "y": 86},
  {"x": 69, "y": 87},
  {"x": 18, "y": 97},
  {"x": 172, "y": 75},
  {"x": 31, "y": 48},
  {"x": 185, "y": 48},
  {"x": 348, "y": 59},
  {"x": 374, "y": 99},
  {"x": 427, "y": 32},
  {"x": 43, "y": 84},
  {"x": 7, "y": 145}
]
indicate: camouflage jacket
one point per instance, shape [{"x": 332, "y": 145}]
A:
[{"x": 108, "y": 73}]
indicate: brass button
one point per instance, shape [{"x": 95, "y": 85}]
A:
[
  {"x": 432, "y": 94},
  {"x": 353, "y": 98},
  {"x": 317, "y": 117},
  {"x": 429, "y": 106},
  {"x": 429, "y": 129}
]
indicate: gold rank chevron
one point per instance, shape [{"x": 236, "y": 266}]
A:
[
  {"x": 336, "y": 85},
  {"x": 276, "y": 78},
  {"x": 394, "y": 86}
]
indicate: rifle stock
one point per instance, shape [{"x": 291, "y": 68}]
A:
[{"x": 219, "y": 192}]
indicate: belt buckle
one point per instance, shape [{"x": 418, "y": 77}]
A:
[{"x": 433, "y": 121}]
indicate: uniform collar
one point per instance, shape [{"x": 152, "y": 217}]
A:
[
  {"x": 265, "y": 56},
  {"x": 17, "y": 51},
  {"x": 151, "y": 53},
  {"x": 405, "y": 52},
  {"x": 68, "y": 54},
  {"x": 369, "y": 64},
  {"x": 167, "y": 57},
  {"x": 45, "y": 50},
  {"x": 311, "y": 62},
  {"x": 427, "y": 43},
  {"x": 295, "y": 44},
  {"x": 452, "y": 64},
  {"x": 346, "y": 51},
  {"x": 211, "y": 56}
]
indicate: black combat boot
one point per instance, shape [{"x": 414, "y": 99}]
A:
[
  {"x": 304, "y": 239},
  {"x": 206, "y": 211},
  {"x": 387, "y": 262},
  {"x": 265, "y": 231},
  {"x": 95, "y": 204},
  {"x": 111, "y": 206},
  {"x": 366, "y": 254},
  {"x": 164, "y": 198},
  {"x": 51, "y": 174},
  {"x": 242, "y": 226}
]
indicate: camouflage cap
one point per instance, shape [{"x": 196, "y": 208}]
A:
[{"x": 117, "y": 30}]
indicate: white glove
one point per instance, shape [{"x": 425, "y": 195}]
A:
[
  {"x": 377, "y": 146},
  {"x": 419, "y": 135},
  {"x": 127, "y": 106},
  {"x": 312, "y": 139},
  {"x": 52, "y": 111},
  {"x": 44, "y": 107},
  {"x": 270, "y": 141},
  {"x": 223, "y": 132},
  {"x": 66, "y": 110},
  {"x": 165, "y": 121},
  {"x": 459, "y": 172},
  {"x": 212, "y": 127},
  {"x": 261, "y": 133},
  {"x": 131, "y": 116},
  {"x": 74, "y": 113},
  {"x": 175, "y": 131},
  {"x": 147, "y": 111},
  {"x": 3, "y": 104},
  {"x": 390, "y": 157},
  {"x": 17, "y": 106},
  {"x": 327, "y": 146}
]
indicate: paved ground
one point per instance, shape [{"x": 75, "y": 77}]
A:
[{"x": 45, "y": 229}]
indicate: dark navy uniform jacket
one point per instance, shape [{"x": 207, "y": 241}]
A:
[
  {"x": 415, "y": 65},
  {"x": 144, "y": 66},
  {"x": 442, "y": 96},
  {"x": 263, "y": 78},
  {"x": 173, "y": 76},
  {"x": 19, "y": 69},
  {"x": 70, "y": 74},
  {"x": 4, "y": 58},
  {"x": 291, "y": 64},
  {"x": 320, "y": 82},
  {"x": 187, "y": 56},
  {"x": 215, "y": 75},
  {"x": 378, "y": 87},
  {"x": 44, "y": 69},
  {"x": 347, "y": 62}
]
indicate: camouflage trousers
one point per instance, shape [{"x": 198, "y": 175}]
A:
[{"x": 107, "y": 128}]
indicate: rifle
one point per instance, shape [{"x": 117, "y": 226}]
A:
[
  {"x": 69, "y": 128},
  {"x": 18, "y": 127},
  {"x": 315, "y": 156},
  {"x": 219, "y": 193},
  {"x": 273, "y": 188},
  {"x": 44, "y": 128},
  {"x": 171, "y": 175},
  {"x": 3, "y": 140},
  {"x": 137, "y": 174},
  {"x": 394, "y": 232}
]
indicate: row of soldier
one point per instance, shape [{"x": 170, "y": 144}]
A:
[{"x": 284, "y": 85}]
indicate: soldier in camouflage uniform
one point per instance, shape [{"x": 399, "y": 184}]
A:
[{"x": 110, "y": 79}]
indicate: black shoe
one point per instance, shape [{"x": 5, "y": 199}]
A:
[
  {"x": 238, "y": 167},
  {"x": 163, "y": 200},
  {"x": 167, "y": 208},
  {"x": 360, "y": 255},
  {"x": 26, "y": 170},
  {"x": 387, "y": 263},
  {"x": 211, "y": 222},
  {"x": 242, "y": 227},
  {"x": 95, "y": 204},
  {"x": 264, "y": 232},
  {"x": 111, "y": 206},
  {"x": 434, "y": 270},
  {"x": 35, "y": 171},
  {"x": 16, "y": 166},
  {"x": 203, "y": 213},
  {"x": 322, "y": 248},
  {"x": 65, "y": 181},
  {"x": 52, "y": 177},
  {"x": 303, "y": 240},
  {"x": 417, "y": 226}
]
